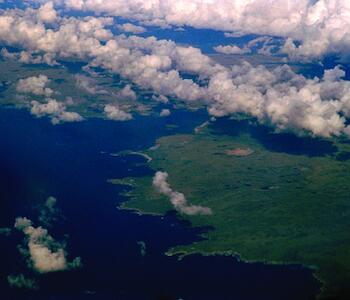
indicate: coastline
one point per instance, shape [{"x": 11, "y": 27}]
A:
[
  {"x": 182, "y": 253},
  {"x": 125, "y": 153}
]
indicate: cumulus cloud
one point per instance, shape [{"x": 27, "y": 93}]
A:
[
  {"x": 127, "y": 56},
  {"x": 160, "y": 98},
  {"x": 283, "y": 98},
  {"x": 28, "y": 57},
  {"x": 89, "y": 85},
  {"x": 47, "y": 13},
  {"x": 131, "y": 28},
  {"x": 35, "y": 85},
  {"x": 45, "y": 254},
  {"x": 113, "y": 112},
  {"x": 127, "y": 93},
  {"x": 55, "y": 110},
  {"x": 177, "y": 199},
  {"x": 278, "y": 97},
  {"x": 231, "y": 49},
  {"x": 5, "y": 54},
  {"x": 165, "y": 112},
  {"x": 321, "y": 27}
]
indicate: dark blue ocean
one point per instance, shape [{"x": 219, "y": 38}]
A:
[{"x": 72, "y": 163}]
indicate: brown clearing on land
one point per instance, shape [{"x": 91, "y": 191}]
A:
[{"x": 239, "y": 152}]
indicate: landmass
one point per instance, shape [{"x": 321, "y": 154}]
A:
[
  {"x": 285, "y": 204},
  {"x": 125, "y": 153},
  {"x": 87, "y": 98}
]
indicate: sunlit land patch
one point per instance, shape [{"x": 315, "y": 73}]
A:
[{"x": 240, "y": 152}]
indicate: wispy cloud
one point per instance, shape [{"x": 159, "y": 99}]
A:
[{"x": 177, "y": 199}]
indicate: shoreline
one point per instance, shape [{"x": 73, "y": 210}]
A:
[
  {"x": 324, "y": 289},
  {"x": 181, "y": 254},
  {"x": 125, "y": 153}
]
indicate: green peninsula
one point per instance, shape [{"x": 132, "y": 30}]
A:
[{"x": 270, "y": 205}]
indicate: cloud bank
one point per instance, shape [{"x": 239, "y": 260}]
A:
[
  {"x": 278, "y": 97},
  {"x": 177, "y": 199},
  {"x": 321, "y": 27}
]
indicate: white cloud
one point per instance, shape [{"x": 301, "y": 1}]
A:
[
  {"x": 7, "y": 55},
  {"x": 283, "y": 98},
  {"x": 67, "y": 116},
  {"x": 35, "y": 85},
  {"x": 160, "y": 98},
  {"x": 89, "y": 85},
  {"x": 115, "y": 113},
  {"x": 321, "y": 26},
  {"x": 265, "y": 44},
  {"x": 233, "y": 34},
  {"x": 131, "y": 28},
  {"x": 231, "y": 49},
  {"x": 46, "y": 255},
  {"x": 55, "y": 110},
  {"x": 28, "y": 57},
  {"x": 177, "y": 199},
  {"x": 127, "y": 93},
  {"x": 277, "y": 96},
  {"x": 165, "y": 113},
  {"x": 47, "y": 13}
]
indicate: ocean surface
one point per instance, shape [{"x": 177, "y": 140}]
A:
[{"x": 72, "y": 162}]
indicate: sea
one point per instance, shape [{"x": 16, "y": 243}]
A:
[{"x": 122, "y": 253}]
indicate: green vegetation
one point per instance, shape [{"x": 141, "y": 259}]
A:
[
  {"x": 270, "y": 206},
  {"x": 64, "y": 83},
  {"x": 103, "y": 88}
]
